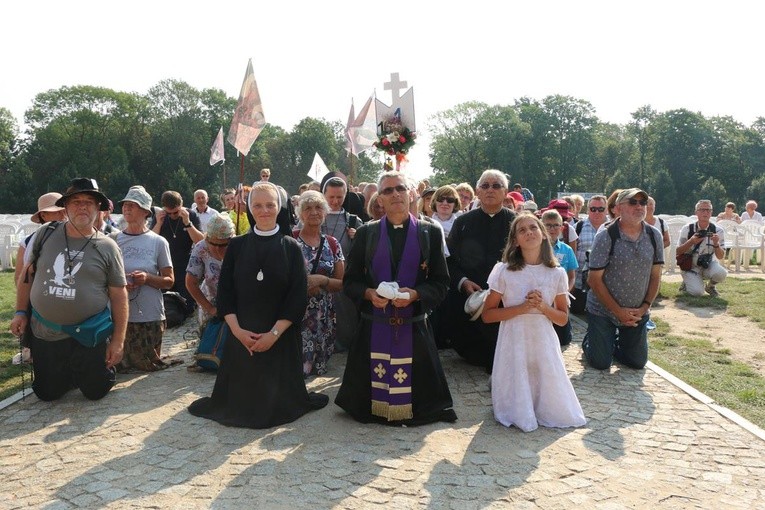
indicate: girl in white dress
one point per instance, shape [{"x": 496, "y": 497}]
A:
[{"x": 529, "y": 383}]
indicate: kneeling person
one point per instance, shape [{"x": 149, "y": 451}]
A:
[
  {"x": 704, "y": 242},
  {"x": 80, "y": 272},
  {"x": 393, "y": 374}
]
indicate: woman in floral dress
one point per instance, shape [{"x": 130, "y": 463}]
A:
[{"x": 325, "y": 267}]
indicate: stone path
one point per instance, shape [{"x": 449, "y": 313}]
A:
[{"x": 646, "y": 444}]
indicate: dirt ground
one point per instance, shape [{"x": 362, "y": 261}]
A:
[{"x": 744, "y": 338}]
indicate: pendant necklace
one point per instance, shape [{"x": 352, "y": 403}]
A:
[
  {"x": 263, "y": 233},
  {"x": 69, "y": 278},
  {"x": 174, "y": 230}
]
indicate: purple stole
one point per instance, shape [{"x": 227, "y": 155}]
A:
[{"x": 391, "y": 343}]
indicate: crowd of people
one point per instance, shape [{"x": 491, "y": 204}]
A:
[{"x": 389, "y": 271}]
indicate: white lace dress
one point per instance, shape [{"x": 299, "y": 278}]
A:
[{"x": 529, "y": 383}]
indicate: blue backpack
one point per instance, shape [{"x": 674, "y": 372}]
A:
[{"x": 210, "y": 351}]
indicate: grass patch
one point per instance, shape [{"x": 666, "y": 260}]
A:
[
  {"x": 10, "y": 375},
  {"x": 709, "y": 368},
  {"x": 740, "y": 297}
]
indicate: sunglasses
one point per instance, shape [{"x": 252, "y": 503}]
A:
[
  {"x": 597, "y": 209},
  {"x": 390, "y": 189},
  {"x": 219, "y": 245},
  {"x": 496, "y": 185},
  {"x": 635, "y": 201},
  {"x": 449, "y": 200}
]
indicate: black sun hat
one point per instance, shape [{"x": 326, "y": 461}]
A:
[{"x": 84, "y": 185}]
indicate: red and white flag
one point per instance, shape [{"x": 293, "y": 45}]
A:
[
  {"x": 216, "y": 151},
  {"x": 249, "y": 119}
]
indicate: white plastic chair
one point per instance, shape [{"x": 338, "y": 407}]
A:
[
  {"x": 751, "y": 239},
  {"x": 674, "y": 225},
  {"x": 732, "y": 240}
]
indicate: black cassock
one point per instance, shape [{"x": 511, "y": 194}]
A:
[
  {"x": 431, "y": 399},
  {"x": 475, "y": 243},
  {"x": 264, "y": 389}
]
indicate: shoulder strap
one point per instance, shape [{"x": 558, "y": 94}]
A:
[
  {"x": 578, "y": 228},
  {"x": 38, "y": 244},
  {"x": 649, "y": 233},
  {"x": 315, "y": 264},
  {"x": 613, "y": 233},
  {"x": 566, "y": 226}
]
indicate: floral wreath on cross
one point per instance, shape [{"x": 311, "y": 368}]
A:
[{"x": 394, "y": 139}]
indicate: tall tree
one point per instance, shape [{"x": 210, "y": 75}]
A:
[{"x": 458, "y": 147}]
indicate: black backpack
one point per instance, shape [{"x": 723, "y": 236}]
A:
[{"x": 175, "y": 308}]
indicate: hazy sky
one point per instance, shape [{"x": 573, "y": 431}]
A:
[{"x": 311, "y": 58}]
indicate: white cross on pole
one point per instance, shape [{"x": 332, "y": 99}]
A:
[{"x": 395, "y": 86}]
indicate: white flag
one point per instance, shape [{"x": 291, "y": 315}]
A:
[
  {"x": 318, "y": 169},
  {"x": 348, "y": 126},
  {"x": 216, "y": 151},
  {"x": 363, "y": 134},
  {"x": 249, "y": 119}
]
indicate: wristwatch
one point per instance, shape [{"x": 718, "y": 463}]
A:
[
  {"x": 187, "y": 226},
  {"x": 275, "y": 332}
]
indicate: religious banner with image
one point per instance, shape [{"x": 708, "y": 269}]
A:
[{"x": 396, "y": 128}]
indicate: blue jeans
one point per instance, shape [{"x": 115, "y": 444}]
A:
[{"x": 606, "y": 341}]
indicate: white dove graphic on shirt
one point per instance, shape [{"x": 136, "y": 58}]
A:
[{"x": 59, "y": 266}]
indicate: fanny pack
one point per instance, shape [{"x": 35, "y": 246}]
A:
[{"x": 91, "y": 332}]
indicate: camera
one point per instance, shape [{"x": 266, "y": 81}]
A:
[
  {"x": 704, "y": 260},
  {"x": 704, "y": 233}
]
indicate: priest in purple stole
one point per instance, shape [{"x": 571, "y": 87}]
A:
[{"x": 393, "y": 374}]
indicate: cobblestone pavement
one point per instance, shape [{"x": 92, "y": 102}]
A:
[{"x": 646, "y": 444}]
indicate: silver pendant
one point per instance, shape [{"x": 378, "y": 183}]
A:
[
  {"x": 68, "y": 279},
  {"x": 174, "y": 236},
  {"x": 260, "y": 276}
]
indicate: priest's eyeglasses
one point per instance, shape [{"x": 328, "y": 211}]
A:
[{"x": 390, "y": 189}]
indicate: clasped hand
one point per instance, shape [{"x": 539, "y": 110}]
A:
[
  {"x": 256, "y": 342},
  {"x": 380, "y": 302},
  {"x": 629, "y": 316},
  {"x": 534, "y": 300}
]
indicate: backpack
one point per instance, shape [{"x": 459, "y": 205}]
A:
[
  {"x": 175, "y": 308},
  {"x": 210, "y": 350},
  {"x": 613, "y": 233}
]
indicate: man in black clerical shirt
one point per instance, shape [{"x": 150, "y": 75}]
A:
[
  {"x": 181, "y": 227},
  {"x": 475, "y": 245},
  {"x": 393, "y": 374}
]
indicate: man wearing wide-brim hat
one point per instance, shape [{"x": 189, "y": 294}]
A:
[
  {"x": 625, "y": 272},
  {"x": 75, "y": 283}
]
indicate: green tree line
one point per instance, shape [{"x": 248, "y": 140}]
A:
[
  {"x": 162, "y": 140},
  {"x": 559, "y": 145}
]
